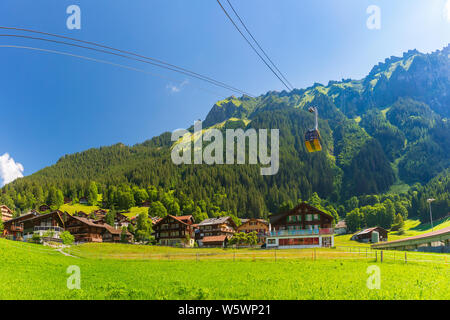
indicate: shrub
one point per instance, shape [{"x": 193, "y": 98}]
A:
[
  {"x": 67, "y": 237},
  {"x": 36, "y": 238}
]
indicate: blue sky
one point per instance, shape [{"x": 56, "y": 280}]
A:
[{"x": 54, "y": 105}]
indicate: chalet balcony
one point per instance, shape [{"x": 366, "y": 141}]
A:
[
  {"x": 16, "y": 229},
  {"x": 306, "y": 232},
  {"x": 55, "y": 229}
]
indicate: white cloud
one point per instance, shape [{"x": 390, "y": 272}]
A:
[
  {"x": 447, "y": 10},
  {"x": 174, "y": 89},
  {"x": 9, "y": 169}
]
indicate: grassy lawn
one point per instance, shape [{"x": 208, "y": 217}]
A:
[
  {"x": 134, "y": 211},
  {"x": 33, "y": 272},
  {"x": 72, "y": 208}
]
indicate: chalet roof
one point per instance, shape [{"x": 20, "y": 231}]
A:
[
  {"x": 44, "y": 216},
  {"x": 23, "y": 217},
  {"x": 88, "y": 222},
  {"x": 341, "y": 224},
  {"x": 218, "y": 220},
  {"x": 254, "y": 219},
  {"x": 220, "y": 238},
  {"x": 369, "y": 230},
  {"x": 278, "y": 216},
  {"x": 113, "y": 230},
  {"x": 184, "y": 219},
  {"x": 6, "y": 208}
]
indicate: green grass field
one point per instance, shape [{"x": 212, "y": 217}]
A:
[{"x": 36, "y": 272}]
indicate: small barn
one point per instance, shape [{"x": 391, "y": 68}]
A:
[
  {"x": 368, "y": 235},
  {"x": 215, "y": 241}
]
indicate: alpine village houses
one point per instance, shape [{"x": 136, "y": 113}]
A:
[
  {"x": 6, "y": 213},
  {"x": 260, "y": 226},
  {"x": 302, "y": 227},
  {"x": 49, "y": 226},
  {"x": 174, "y": 231},
  {"x": 215, "y": 232}
]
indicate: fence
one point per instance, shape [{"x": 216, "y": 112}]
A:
[
  {"x": 340, "y": 253},
  {"x": 400, "y": 256}
]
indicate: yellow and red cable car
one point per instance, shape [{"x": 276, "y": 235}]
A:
[{"x": 312, "y": 136}]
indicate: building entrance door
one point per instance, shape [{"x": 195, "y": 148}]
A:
[{"x": 326, "y": 242}]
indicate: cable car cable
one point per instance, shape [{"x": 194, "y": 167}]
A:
[
  {"x": 254, "y": 49},
  {"x": 257, "y": 43},
  {"x": 158, "y": 62},
  {"x": 101, "y": 61}
]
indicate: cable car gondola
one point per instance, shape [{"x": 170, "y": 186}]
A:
[{"x": 312, "y": 136}]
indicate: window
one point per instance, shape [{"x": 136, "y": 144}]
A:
[
  {"x": 309, "y": 217},
  {"x": 316, "y": 217},
  {"x": 271, "y": 241}
]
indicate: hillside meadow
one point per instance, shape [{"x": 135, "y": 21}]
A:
[{"x": 37, "y": 272}]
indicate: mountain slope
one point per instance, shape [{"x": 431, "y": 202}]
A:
[{"x": 401, "y": 111}]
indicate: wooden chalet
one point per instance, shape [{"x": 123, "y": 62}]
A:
[
  {"x": 84, "y": 229},
  {"x": 49, "y": 225},
  {"x": 112, "y": 234},
  {"x": 302, "y": 227},
  {"x": 6, "y": 213},
  {"x": 215, "y": 241},
  {"x": 260, "y": 226},
  {"x": 88, "y": 230},
  {"x": 175, "y": 230},
  {"x": 221, "y": 226},
  {"x": 368, "y": 235},
  {"x": 120, "y": 220},
  {"x": 13, "y": 229}
]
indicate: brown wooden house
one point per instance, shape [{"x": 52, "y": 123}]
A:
[
  {"x": 84, "y": 229},
  {"x": 175, "y": 230},
  {"x": 260, "y": 226},
  {"x": 221, "y": 226},
  {"x": 215, "y": 241},
  {"x": 49, "y": 225},
  {"x": 112, "y": 234},
  {"x": 302, "y": 227},
  {"x": 13, "y": 229},
  {"x": 6, "y": 213}
]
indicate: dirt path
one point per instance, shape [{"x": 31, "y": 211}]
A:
[{"x": 65, "y": 253}]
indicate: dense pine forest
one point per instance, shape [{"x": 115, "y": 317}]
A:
[{"x": 385, "y": 139}]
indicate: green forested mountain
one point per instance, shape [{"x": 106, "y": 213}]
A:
[{"x": 384, "y": 137}]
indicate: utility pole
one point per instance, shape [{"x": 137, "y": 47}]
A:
[{"x": 431, "y": 217}]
